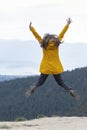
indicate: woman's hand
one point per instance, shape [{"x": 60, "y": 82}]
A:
[
  {"x": 69, "y": 20},
  {"x": 30, "y": 25}
]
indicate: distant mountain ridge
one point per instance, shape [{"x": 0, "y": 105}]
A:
[
  {"x": 10, "y": 77},
  {"x": 6, "y": 77},
  {"x": 24, "y": 57}
]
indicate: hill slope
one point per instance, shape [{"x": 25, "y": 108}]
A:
[{"x": 48, "y": 100}]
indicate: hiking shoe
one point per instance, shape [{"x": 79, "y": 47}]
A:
[
  {"x": 30, "y": 91},
  {"x": 74, "y": 94}
]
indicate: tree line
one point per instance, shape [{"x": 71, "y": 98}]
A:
[{"x": 48, "y": 100}]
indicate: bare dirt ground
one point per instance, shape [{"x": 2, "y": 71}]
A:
[{"x": 47, "y": 123}]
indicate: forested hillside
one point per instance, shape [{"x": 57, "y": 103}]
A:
[{"x": 49, "y": 100}]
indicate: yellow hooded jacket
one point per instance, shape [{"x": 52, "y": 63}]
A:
[{"x": 50, "y": 63}]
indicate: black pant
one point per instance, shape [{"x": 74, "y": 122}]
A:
[{"x": 57, "y": 77}]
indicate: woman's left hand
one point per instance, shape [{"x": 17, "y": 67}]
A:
[{"x": 69, "y": 20}]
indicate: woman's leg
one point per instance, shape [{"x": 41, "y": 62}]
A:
[
  {"x": 40, "y": 82},
  {"x": 60, "y": 81}
]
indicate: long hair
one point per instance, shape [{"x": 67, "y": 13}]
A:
[{"x": 47, "y": 37}]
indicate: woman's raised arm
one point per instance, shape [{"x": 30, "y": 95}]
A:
[
  {"x": 37, "y": 36},
  {"x": 61, "y": 35}
]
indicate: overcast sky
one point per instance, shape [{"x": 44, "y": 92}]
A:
[{"x": 46, "y": 16}]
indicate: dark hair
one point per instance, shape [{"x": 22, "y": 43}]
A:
[{"x": 47, "y": 37}]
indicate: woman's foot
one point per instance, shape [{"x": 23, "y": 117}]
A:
[
  {"x": 30, "y": 91},
  {"x": 74, "y": 94}
]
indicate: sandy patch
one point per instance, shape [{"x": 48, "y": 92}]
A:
[{"x": 53, "y": 123}]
